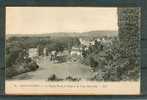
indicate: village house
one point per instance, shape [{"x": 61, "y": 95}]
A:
[
  {"x": 33, "y": 52},
  {"x": 76, "y": 51},
  {"x": 86, "y": 42}
]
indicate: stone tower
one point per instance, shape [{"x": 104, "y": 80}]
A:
[
  {"x": 129, "y": 29},
  {"x": 129, "y": 36}
]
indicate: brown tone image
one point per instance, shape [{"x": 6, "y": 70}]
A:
[{"x": 73, "y": 44}]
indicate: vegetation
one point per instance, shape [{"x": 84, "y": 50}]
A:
[
  {"x": 17, "y": 60},
  {"x": 115, "y": 61},
  {"x": 121, "y": 60},
  {"x": 109, "y": 64}
]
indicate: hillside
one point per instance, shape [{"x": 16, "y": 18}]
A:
[{"x": 64, "y": 34}]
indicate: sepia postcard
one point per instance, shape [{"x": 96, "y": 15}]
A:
[{"x": 72, "y": 51}]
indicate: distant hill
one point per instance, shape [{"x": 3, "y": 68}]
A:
[
  {"x": 64, "y": 34},
  {"x": 99, "y": 33}
]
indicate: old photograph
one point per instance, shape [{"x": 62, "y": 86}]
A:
[{"x": 73, "y": 44}]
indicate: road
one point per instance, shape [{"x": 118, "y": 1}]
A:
[{"x": 61, "y": 70}]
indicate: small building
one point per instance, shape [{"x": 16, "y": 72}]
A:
[
  {"x": 33, "y": 52},
  {"x": 86, "y": 42},
  {"x": 76, "y": 51}
]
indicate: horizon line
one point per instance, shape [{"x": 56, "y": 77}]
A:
[{"x": 61, "y": 32}]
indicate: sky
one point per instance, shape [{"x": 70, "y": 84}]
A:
[{"x": 38, "y": 20}]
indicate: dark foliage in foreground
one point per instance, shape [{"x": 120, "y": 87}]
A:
[
  {"x": 53, "y": 77},
  {"x": 110, "y": 65},
  {"x": 17, "y": 61}
]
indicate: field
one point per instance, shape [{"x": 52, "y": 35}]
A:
[{"x": 61, "y": 70}]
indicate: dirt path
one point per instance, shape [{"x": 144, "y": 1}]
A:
[{"x": 61, "y": 70}]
